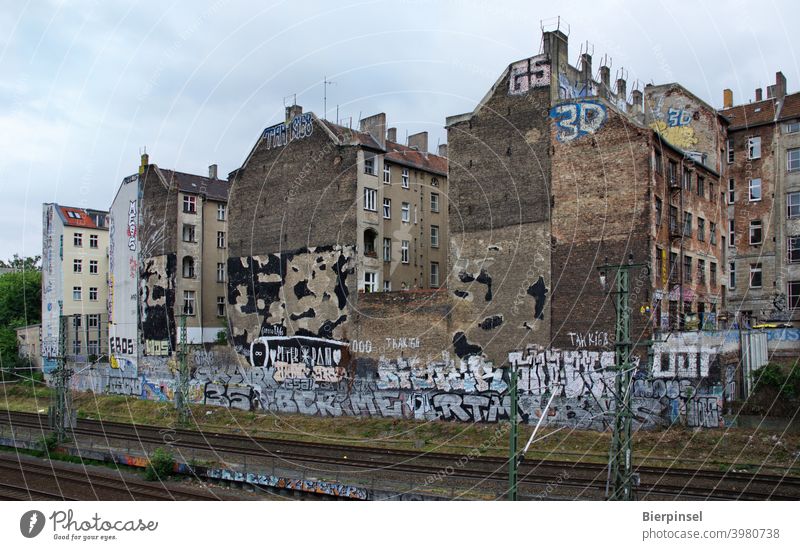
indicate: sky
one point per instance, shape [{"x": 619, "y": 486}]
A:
[{"x": 87, "y": 85}]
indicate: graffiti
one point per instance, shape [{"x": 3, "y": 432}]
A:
[
  {"x": 539, "y": 293},
  {"x": 483, "y": 278},
  {"x": 121, "y": 363},
  {"x": 402, "y": 343},
  {"x": 574, "y": 120},
  {"x": 568, "y": 90},
  {"x": 677, "y": 128},
  {"x": 124, "y": 346},
  {"x": 124, "y": 386},
  {"x": 490, "y": 323},
  {"x": 157, "y": 290},
  {"x": 783, "y": 335},
  {"x": 233, "y": 396},
  {"x": 473, "y": 408},
  {"x": 685, "y": 361},
  {"x": 156, "y": 347},
  {"x": 203, "y": 357},
  {"x": 528, "y": 74},
  {"x": 467, "y": 375},
  {"x": 594, "y": 339},
  {"x": 361, "y": 346},
  {"x": 132, "y": 225},
  {"x": 307, "y": 486},
  {"x": 305, "y": 352},
  {"x": 301, "y": 126}
]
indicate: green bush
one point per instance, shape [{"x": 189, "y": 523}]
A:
[
  {"x": 160, "y": 465},
  {"x": 785, "y": 381}
]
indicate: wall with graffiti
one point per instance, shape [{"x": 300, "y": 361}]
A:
[{"x": 52, "y": 284}]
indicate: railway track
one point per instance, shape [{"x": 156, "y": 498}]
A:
[
  {"x": 16, "y": 492},
  {"x": 582, "y": 479}
]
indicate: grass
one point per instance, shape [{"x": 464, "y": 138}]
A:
[{"x": 677, "y": 446}]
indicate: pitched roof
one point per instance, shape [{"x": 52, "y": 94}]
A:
[
  {"x": 77, "y": 217},
  {"x": 348, "y": 136},
  {"x": 408, "y": 156},
  {"x": 790, "y": 107},
  {"x": 750, "y": 114},
  {"x": 215, "y": 189}
]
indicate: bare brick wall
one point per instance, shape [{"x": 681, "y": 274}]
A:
[
  {"x": 159, "y": 209},
  {"x": 293, "y": 196}
]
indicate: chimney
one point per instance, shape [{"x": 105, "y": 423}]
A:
[
  {"x": 727, "y": 98},
  {"x": 375, "y": 126},
  {"x": 419, "y": 141},
  {"x": 777, "y": 90},
  {"x": 443, "y": 150},
  {"x": 586, "y": 69},
  {"x": 391, "y": 134},
  {"x": 636, "y": 97},
  {"x": 212, "y": 172},
  {"x": 145, "y": 162},
  {"x": 758, "y": 94},
  {"x": 622, "y": 92},
  {"x": 605, "y": 80},
  {"x": 292, "y": 111}
]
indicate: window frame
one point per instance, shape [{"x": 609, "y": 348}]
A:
[
  {"x": 404, "y": 178},
  {"x": 189, "y": 204},
  {"x": 192, "y": 234},
  {"x": 387, "y": 249},
  {"x": 756, "y": 226},
  {"x": 790, "y": 204},
  {"x": 756, "y": 269},
  {"x": 77, "y": 265},
  {"x": 405, "y": 212},
  {"x": 387, "y": 208},
  {"x": 435, "y": 283},
  {"x": 221, "y": 239},
  {"x": 220, "y": 272},
  {"x": 404, "y": 251},
  {"x": 94, "y": 241},
  {"x": 729, "y": 150},
  {"x": 370, "y": 285},
  {"x": 754, "y": 147},
  {"x": 77, "y": 240},
  {"x": 795, "y": 248},
  {"x": 370, "y": 199},
  {"x": 751, "y": 187},
  {"x": 221, "y": 304},
  {"x": 387, "y": 173},
  {"x": 221, "y": 212},
  {"x": 189, "y": 299},
  {"x": 434, "y": 236},
  {"x": 94, "y": 291},
  {"x": 435, "y": 203},
  {"x": 77, "y": 291}
]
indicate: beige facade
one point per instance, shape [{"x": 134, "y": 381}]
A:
[{"x": 29, "y": 344}]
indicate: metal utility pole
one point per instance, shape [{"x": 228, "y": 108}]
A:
[
  {"x": 512, "y": 443},
  {"x": 325, "y": 83},
  {"x": 60, "y": 411},
  {"x": 620, "y": 459},
  {"x": 180, "y": 396}
]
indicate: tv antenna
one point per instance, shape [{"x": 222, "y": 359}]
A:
[{"x": 325, "y": 83}]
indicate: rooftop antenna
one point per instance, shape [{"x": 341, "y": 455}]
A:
[
  {"x": 337, "y": 113},
  {"x": 325, "y": 83},
  {"x": 553, "y": 22},
  {"x": 294, "y": 98}
]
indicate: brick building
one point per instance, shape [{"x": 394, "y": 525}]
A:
[{"x": 763, "y": 194}]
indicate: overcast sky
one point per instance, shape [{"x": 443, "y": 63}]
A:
[{"x": 86, "y": 85}]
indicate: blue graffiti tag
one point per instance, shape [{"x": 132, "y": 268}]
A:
[{"x": 574, "y": 120}]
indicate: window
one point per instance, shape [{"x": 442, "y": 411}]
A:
[
  {"x": 687, "y": 269},
  {"x": 77, "y": 239},
  {"x": 221, "y": 212},
  {"x": 732, "y": 275},
  {"x": 404, "y": 251},
  {"x": 701, "y": 186},
  {"x": 730, "y": 150},
  {"x": 435, "y": 236},
  {"x": 405, "y": 212},
  {"x": 659, "y": 262},
  {"x": 701, "y": 271},
  {"x": 672, "y": 173},
  {"x": 687, "y": 179},
  {"x": 659, "y": 207},
  {"x": 673, "y": 220},
  {"x": 93, "y": 348},
  {"x": 387, "y": 173},
  {"x": 791, "y": 127},
  {"x": 755, "y": 232},
  {"x": 92, "y": 293},
  {"x": 659, "y": 162},
  {"x": 220, "y": 306},
  {"x": 76, "y": 321},
  {"x": 434, "y": 182},
  {"x": 755, "y": 275},
  {"x": 94, "y": 320},
  {"x": 415, "y": 213},
  {"x": 188, "y": 267},
  {"x": 93, "y": 241},
  {"x": 370, "y": 281},
  {"x": 755, "y": 189},
  {"x": 220, "y": 239},
  {"x": 76, "y": 293},
  {"x": 93, "y": 269},
  {"x": 731, "y": 191},
  {"x": 794, "y": 294},
  {"x": 793, "y": 203},
  {"x": 189, "y": 204},
  {"x": 434, "y": 202},
  {"x": 220, "y": 272},
  {"x": 701, "y": 229},
  {"x": 435, "y": 274},
  {"x": 404, "y": 178},
  {"x": 712, "y": 233},
  {"x": 687, "y": 224},
  {"x": 731, "y": 232},
  {"x": 188, "y": 233},
  {"x": 712, "y": 195},
  {"x": 77, "y": 266},
  {"x": 673, "y": 266},
  {"x": 713, "y": 270},
  {"x": 369, "y": 164},
  {"x": 754, "y": 148},
  {"x": 387, "y": 249},
  {"x": 387, "y": 209},
  {"x": 76, "y": 347},
  {"x": 387, "y": 286},
  {"x": 793, "y": 160},
  {"x": 370, "y": 199},
  {"x": 369, "y": 243},
  {"x": 188, "y": 302},
  {"x": 793, "y": 252}
]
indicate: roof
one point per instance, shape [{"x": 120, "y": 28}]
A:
[
  {"x": 215, "y": 189},
  {"x": 790, "y": 107},
  {"x": 750, "y": 114},
  {"x": 348, "y": 136},
  {"x": 78, "y": 217}
]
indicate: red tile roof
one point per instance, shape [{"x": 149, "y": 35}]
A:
[
  {"x": 76, "y": 217},
  {"x": 750, "y": 114},
  {"x": 791, "y": 107}
]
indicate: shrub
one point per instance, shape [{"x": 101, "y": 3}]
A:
[
  {"x": 786, "y": 382},
  {"x": 160, "y": 465}
]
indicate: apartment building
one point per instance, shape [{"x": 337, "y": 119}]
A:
[
  {"x": 762, "y": 155},
  {"x": 74, "y": 283},
  {"x": 168, "y": 259}
]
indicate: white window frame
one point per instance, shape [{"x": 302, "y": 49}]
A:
[
  {"x": 77, "y": 240},
  {"x": 756, "y": 268},
  {"x": 220, "y": 306},
  {"x": 93, "y": 241},
  {"x": 387, "y": 249},
  {"x": 754, "y": 148},
  {"x": 751, "y": 187},
  {"x": 369, "y": 165},
  {"x": 405, "y": 212},
  {"x": 221, "y": 212},
  {"x": 731, "y": 190},
  {"x": 434, "y": 236},
  {"x": 220, "y": 239},
  {"x": 387, "y": 173},
  {"x": 387, "y": 208},
  {"x": 793, "y": 201},
  {"x": 220, "y": 272},
  {"x": 387, "y": 285},
  {"x": 404, "y": 251},
  {"x": 370, "y": 281},
  {"x": 756, "y": 225},
  {"x": 791, "y": 127},
  {"x": 729, "y": 150},
  {"x": 77, "y": 293},
  {"x": 370, "y": 199},
  {"x": 731, "y": 232},
  {"x": 790, "y": 248},
  {"x": 732, "y": 275},
  {"x": 189, "y": 204},
  {"x": 93, "y": 319},
  {"x": 189, "y": 300},
  {"x": 93, "y": 291},
  {"x": 434, "y": 202},
  {"x": 404, "y": 179},
  {"x": 94, "y": 267},
  {"x": 793, "y": 165},
  {"x": 434, "y": 275},
  {"x": 189, "y": 231},
  {"x": 77, "y": 266}
]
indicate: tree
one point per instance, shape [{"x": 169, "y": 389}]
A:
[
  {"x": 17, "y": 263},
  {"x": 20, "y": 305}
]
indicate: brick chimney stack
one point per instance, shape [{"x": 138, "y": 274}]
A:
[{"x": 727, "y": 98}]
